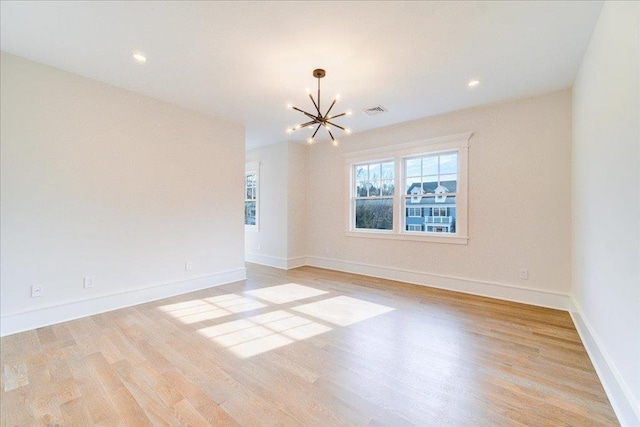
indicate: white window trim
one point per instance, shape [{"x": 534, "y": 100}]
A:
[
  {"x": 253, "y": 167},
  {"x": 457, "y": 142},
  {"x": 353, "y": 198}
]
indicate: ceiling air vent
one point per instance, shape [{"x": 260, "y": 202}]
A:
[{"x": 375, "y": 110}]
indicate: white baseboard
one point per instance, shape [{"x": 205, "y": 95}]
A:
[
  {"x": 300, "y": 261},
  {"x": 27, "y": 320},
  {"x": 614, "y": 384},
  {"x": 501, "y": 291},
  {"x": 277, "y": 262},
  {"x": 267, "y": 260}
]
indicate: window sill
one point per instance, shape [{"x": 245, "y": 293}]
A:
[{"x": 455, "y": 240}]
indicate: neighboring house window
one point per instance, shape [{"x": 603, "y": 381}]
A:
[
  {"x": 251, "y": 195},
  {"x": 414, "y": 212},
  {"x": 431, "y": 204},
  {"x": 373, "y": 190}
]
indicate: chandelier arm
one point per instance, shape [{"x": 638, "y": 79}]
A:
[
  {"x": 331, "y": 135},
  {"x": 311, "y": 116},
  {"x": 303, "y": 112},
  {"x": 333, "y": 124},
  {"x": 326, "y": 115},
  {"x": 337, "y": 115},
  {"x": 304, "y": 125},
  {"x": 316, "y": 105},
  {"x": 317, "y": 129}
]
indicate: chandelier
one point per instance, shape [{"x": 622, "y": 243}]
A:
[{"x": 317, "y": 118}]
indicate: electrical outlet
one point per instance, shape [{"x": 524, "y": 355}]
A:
[
  {"x": 88, "y": 282},
  {"x": 37, "y": 291},
  {"x": 524, "y": 274},
  {"x": 188, "y": 266}
]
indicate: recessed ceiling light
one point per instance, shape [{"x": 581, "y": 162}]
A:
[
  {"x": 139, "y": 57},
  {"x": 473, "y": 83}
]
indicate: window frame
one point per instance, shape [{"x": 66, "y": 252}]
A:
[
  {"x": 353, "y": 200},
  {"x": 253, "y": 168},
  {"x": 398, "y": 154},
  {"x": 407, "y": 196}
]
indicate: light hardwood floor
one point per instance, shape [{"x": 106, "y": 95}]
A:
[{"x": 306, "y": 347}]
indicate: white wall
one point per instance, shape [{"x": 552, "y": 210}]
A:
[
  {"x": 98, "y": 181},
  {"x": 297, "y": 210},
  {"x": 606, "y": 204},
  {"x": 270, "y": 239},
  {"x": 519, "y": 205},
  {"x": 280, "y": 240}
]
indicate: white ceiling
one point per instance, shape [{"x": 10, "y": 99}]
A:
[{"x": 244, "y": 61}]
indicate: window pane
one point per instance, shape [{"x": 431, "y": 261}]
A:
[
  {"x": 248, "y": 194},
  {"x": 413, "y": 186},
  {"x": 449, "y": 163},
  {"x": 250, "y": 213},
  {"x": 388, "y": 171},
  {"x": 361, "y": 173},
  {"x": 449, "y": 182},
  {"x": 361, "y": 189},
  {"x": 374, "y": 188},
  {"x": 435, "y": 217},
  {"x": 413, "y": 167},
  {"x": 387, "y": 188},
  {"x": 430, "y": 165},
  {"x": 374, "y": 174},
  {"x": 374, "y": 214}
]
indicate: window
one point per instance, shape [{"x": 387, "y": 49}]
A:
[
  {"x": 373, "y": 195},
  {"x": 251, "y": 196},
  {"x": 431, "y": 201},
  {"x": 414, "y": 212},
  {"x": 432, "y": 180}
]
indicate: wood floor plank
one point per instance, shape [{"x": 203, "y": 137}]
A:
[{"x": 306, "y": 347}]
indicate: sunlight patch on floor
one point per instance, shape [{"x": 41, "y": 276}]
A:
[
  {"x": 343, "y": 310},
  {"x": 264, "y": 332},
  {"x": 282, "y": 294},
  {"x": 275, "y": 328},
  {"x": 199, "y": 310}
]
